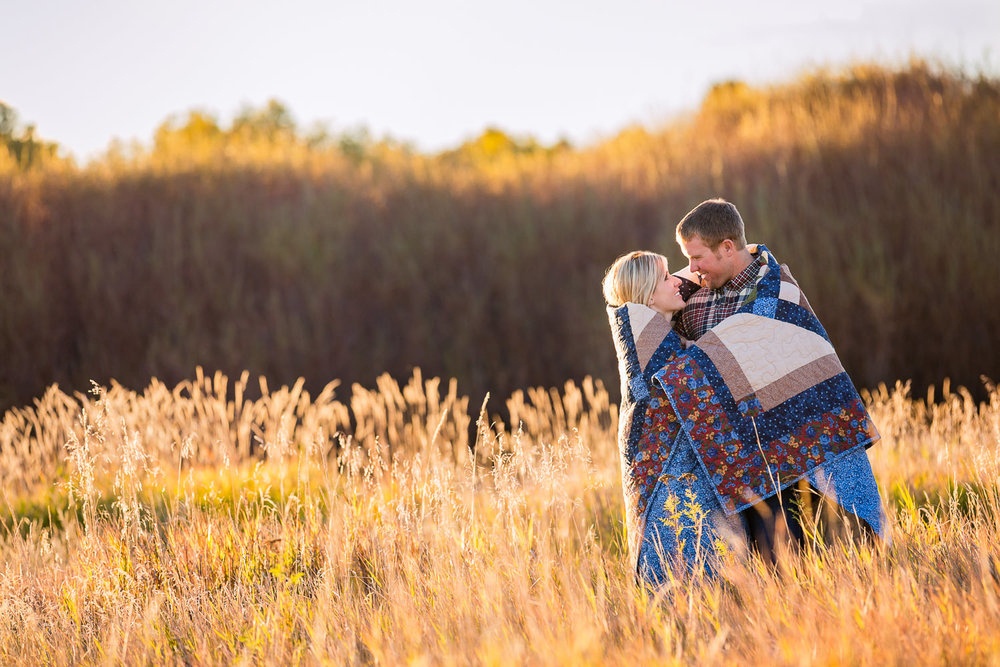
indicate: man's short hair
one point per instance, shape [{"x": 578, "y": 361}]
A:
[{"x": 714, "y": 220}]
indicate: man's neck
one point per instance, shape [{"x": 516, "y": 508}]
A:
[{"x": 742, "y": 260}]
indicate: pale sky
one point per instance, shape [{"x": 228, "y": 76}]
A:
[{"x": 437, "y": 72}]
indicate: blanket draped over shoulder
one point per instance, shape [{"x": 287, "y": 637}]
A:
[
  {"x": 762, "y": 395},
  {"x": 647, "y": 425}
]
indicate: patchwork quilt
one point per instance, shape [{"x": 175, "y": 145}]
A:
[
  {"x": 762, "y": 395},
  {"x": 647, "y": 424}
]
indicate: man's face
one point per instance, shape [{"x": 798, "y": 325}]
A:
[{"x": 714, "y": 268}]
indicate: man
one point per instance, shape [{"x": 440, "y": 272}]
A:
[
  {"x": 712, "y": 238},
  {"x": 729, "y": 271}
]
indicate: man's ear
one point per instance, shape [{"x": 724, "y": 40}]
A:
[{"x": 727, "y": 246}]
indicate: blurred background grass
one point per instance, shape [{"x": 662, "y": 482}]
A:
[{"x": 288, "y": 253}]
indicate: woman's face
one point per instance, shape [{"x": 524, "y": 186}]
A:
[{"x": 667, "y": 297}]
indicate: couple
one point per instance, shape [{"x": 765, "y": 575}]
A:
[{"x": 737, "y": 417}]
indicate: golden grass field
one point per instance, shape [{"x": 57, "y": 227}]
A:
[{"x": 192, "y": 525}]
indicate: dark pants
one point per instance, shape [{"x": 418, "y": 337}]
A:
[
  {"x": 779, "y": 519},
  {"x": 798, "y": 512}
]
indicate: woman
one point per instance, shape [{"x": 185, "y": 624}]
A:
[{"x": 671, "y": 512}]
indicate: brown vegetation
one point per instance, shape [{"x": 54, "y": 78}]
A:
[{"x": 258, "y": 246}]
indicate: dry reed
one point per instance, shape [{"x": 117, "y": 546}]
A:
[{"x": 181, "y": 525}]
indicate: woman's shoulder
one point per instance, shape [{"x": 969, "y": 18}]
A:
[{"x": 637, "y": 312}]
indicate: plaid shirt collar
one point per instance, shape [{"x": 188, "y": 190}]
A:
[{"x": 744, "y": 278}]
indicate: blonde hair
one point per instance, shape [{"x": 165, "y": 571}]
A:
[{"x": 633, "y": 277}]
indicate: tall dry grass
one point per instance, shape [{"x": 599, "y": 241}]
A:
[
  {"x": 231, "y": 249},
  {"x": 405, "y": 524}
]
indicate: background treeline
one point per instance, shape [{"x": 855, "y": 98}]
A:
[{"x": 286, "y": 252}]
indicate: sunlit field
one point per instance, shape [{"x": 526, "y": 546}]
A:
[
  {"x": 225, "y": 519},
  {"x": 404, "y": 524}
]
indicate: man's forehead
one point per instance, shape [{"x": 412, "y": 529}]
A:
[{"x": 693, "y": 246}]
